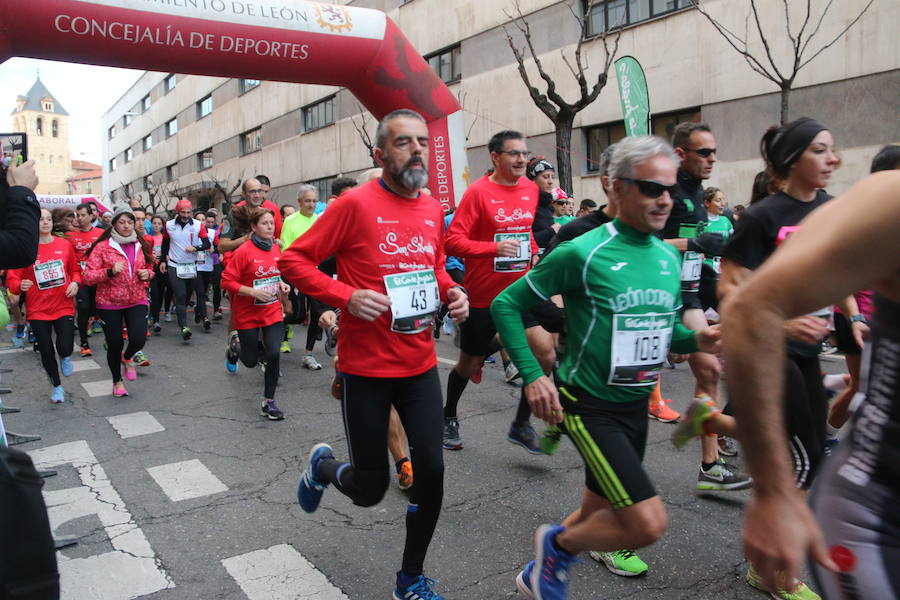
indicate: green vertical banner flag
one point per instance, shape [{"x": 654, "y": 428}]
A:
[{"x": 634, "y": 95}]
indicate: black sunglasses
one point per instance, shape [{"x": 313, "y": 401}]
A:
[
  {"x": 704, "y": 152},
  {"x": 651, "y": 189}
]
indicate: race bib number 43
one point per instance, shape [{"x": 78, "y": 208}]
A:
[
  {"x": 50, "y": 274},
  {"x": 520, "y": 261},
  {"x": 414, "y": 300},
  {"x": 640, "y": 344}
]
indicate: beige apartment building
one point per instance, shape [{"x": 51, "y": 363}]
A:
[{"x": 177, "y": 134}]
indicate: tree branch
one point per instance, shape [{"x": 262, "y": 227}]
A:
[{"x": 837, "y": 37}]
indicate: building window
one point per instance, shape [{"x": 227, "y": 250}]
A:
[
  {"x": 147, "y": 142},
  {"x": 171, "y": 127},
  {"x": 169, "y": 84},
  {"x": 319, "y": 114},
  {"x": 664, "y": 125},
  {"x": 248, "y": 84},
  {"x": 145, "y": 103},
  {"x": 112, "y": 164},
  {"x": 251, "y": 141},
  {"x": 39, "y": 126},
  {"x": 323, "y": 186},
  {"x": 129, "y": 154},
  {"x": 446, "y": 64},
  {"x": 54, "y": 128},
  {"x": 598, "y": 137},
  {"x": 111, "y": 133},
  {"x": 204, "y": 107},
  {"x": 89, "y": 186},
  {"x": 611, "y": 14},
  {"x": 204, "y": 159},
  {"x": 147, "y": 182},
  {"x": 170, "y": 173},
  {"x": 127, "y": 118},
  {"x": 47, "y": 106}
]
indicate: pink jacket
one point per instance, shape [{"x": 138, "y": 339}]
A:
[{"x": 123, "y": 289}]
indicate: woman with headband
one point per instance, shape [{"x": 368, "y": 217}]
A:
[{"x": 801, "y": 156}]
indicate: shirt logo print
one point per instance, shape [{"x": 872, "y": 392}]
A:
[{"x": 618, "y": 266}]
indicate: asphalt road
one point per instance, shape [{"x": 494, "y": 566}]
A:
[{"x": 226, "y": 525}]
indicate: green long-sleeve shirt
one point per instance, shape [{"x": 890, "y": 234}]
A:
[{"x": 622, "y": 295}]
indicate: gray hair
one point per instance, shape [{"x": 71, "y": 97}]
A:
[
  {"x": 381, "y": 132},
  {"x": 368, "y": 175},
  {"x": 636, "y": 149},
  {"x": 307, "y": 188},
  {"x": 605, "y": 157}
]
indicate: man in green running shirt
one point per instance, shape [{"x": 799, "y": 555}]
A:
[{"x": 622, "y": 291}]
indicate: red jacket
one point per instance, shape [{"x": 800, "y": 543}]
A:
[{"x": 123, "y": 289}]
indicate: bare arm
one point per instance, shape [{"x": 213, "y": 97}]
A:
[{"x": 836, "y": 248}]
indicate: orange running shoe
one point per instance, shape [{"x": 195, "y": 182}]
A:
[
  {"x": 405, "y": 476},
  {"x": 476, "y": 376},
  {"x": 85, "y": 351},
  {"x": 662, "y": 412}
]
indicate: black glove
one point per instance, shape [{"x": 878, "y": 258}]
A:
[{"x": 710, "y": 244}]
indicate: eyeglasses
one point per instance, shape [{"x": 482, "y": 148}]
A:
[
  {"x": 704, "y": 152},
  {"x": 651, "y": 189},
  {"x": 516, "y": 153}
]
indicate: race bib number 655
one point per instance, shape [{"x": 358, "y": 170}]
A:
[{"x": 640, "y": 344}]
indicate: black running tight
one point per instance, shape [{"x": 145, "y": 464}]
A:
[
  {"x": 133, "y": 317},
  {"x": 64, "y": 328},
  {"x": 271, "y": 338},
  {"x": 366, "y": 407}
]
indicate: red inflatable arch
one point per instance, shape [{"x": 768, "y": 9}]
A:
[{"x": 276, "y": 40}]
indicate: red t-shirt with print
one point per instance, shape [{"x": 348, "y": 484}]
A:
[
  {"x": 487, "y": 213},
  {"x": 377, "y": 237}
]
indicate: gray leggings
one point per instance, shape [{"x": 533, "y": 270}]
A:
[{"x": 862, "y": 531}]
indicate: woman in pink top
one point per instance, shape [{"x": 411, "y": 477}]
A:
[{"x": 120, "y": 263}]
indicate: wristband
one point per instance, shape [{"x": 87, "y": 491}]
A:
[{"x": 859, "y": 319}]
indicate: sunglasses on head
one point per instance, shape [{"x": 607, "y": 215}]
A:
[
  {"x": 648, "y": 188},
  {"x": 704, "y": 152}
]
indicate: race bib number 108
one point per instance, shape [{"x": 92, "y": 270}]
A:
[{"x": 640, "y": 344}]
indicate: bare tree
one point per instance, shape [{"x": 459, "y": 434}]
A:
[
  {"x": 801, "y": 52},
  {"x": 550, "y": 101},
  {"x": 362, "y": 130},
  {"x": 158, "y": 197}
]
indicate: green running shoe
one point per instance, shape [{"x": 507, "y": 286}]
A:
[
  {"x": 691, "y": 425},
  {"x": 800, "y": 592},
  {"x": 621, "y": 562}
]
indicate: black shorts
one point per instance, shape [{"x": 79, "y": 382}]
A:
[
  {"x": 611, "y": 438},
  {"x": 843, "y": 333},
  {"x": 477, "y": 331},
  {"x": 690, "y": 300}
]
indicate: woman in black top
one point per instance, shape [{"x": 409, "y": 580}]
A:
[{"x": 801, "y": 157}]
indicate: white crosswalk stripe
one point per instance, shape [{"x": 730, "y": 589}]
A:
[
  {"x": 135, "y": 424},
  {"x": 280, "y": 573},
  {"x": 132, "y": 557},
  {"x": 186, "y": 480}
]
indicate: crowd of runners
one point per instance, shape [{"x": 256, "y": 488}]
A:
[{"x": 584, "y": 306}]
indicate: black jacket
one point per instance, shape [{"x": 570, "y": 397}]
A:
[
  {"x": 542, "y": 227},
  {"x": 19, "y": 217}
]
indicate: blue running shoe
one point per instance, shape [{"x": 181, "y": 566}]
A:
[
  {"x": 58, "y": 396},
  {"x": 550, "y": 581},
  {"x": 310, "y": 488},
  {"x": 523, "y": 581},
  {"x": 419, "y": 590},
  {"x": 30, "y": 336},
  {"x": 231, "y": 355},
  {"x": 65, "y": 366}
]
